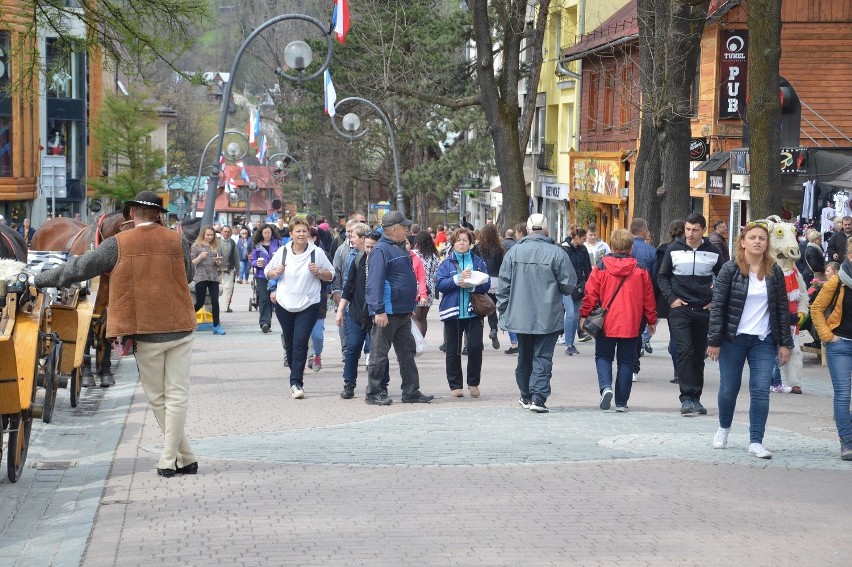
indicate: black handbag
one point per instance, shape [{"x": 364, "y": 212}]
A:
[{"x": 595, "y": 320}]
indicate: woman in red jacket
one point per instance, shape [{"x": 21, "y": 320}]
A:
[{"x": 618, "y": 282}]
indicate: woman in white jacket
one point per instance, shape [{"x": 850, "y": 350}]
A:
[{"x": 298, "y": 266}]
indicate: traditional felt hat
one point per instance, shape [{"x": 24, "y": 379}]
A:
[{"x": 145, "y": 199}]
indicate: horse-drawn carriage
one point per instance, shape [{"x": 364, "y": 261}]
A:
[{"x": 25, "y": 352}]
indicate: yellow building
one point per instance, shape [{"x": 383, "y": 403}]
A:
[{"x": 556, "y": 127}]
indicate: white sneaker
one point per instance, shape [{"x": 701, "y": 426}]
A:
[
  {"x": 759, "y": 451},
  {"x": 367, "y": 359},
  {"x": 560, "y": 340},
  {"x": 635, "y": 376},
  {"x": 720, "y": 440},
  {"x": 606, "y": 398},
  {"x": 296, "y": 392}
]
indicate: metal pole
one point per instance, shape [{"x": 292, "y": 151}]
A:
[
  {"x": 301, "y": 173},
  {"x": 400, "y": 205},
  {"x": 210, "y": 204}
]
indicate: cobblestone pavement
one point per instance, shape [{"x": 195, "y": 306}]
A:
[{"x": 326, "y": 481}]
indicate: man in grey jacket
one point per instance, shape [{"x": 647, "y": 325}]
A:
[{"x": 534, "y": 276}]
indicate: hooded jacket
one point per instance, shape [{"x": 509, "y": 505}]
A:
[
  {"x": 634, "y": 300},
  {"x": 687, "y": 274},
  {"x": 534, "y": 276},
  {"x": 391, "y": 284}
]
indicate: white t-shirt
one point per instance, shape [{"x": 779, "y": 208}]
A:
[
  {"x": 755, "y": 318},
  {"x": 298, "y": 288}
]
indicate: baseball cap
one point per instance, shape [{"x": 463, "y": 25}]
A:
[
  {"x": 393, "y": 218},
  {"x": 537, "y": 221}
]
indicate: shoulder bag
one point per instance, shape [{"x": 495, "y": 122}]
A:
[
  {"x": 595, "y": 320},
  {"x": 481, "y": 304}
]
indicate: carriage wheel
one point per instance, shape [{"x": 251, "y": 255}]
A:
[
  {"x": 75, "y": 387},
  {"x": 51, "y": 381},
  {"x": 20, "y": 426}
]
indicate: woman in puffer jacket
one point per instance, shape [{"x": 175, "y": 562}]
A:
[
  {"x": 618, "y": 284},
  {"x": 749, "y": 320},
  {"x": 456, "y": 312}
]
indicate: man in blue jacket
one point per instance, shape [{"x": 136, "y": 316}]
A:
[
  {"x": 391, "y": 298},
  {"x": 646, "y": 257}
]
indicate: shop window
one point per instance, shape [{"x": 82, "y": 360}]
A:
[
  {"x": 694, "y": 89},
  {"x": 5, "y": 109},
  {"x": 593, "y": 102}
]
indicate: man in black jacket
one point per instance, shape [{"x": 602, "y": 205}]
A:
[
  {"x": 686, "y": 282},
  {"x": 837, "y": 244}
]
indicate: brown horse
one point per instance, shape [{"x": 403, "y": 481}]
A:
[
  {"x": 12, "y": 245},
  {"x": 74, "y": 237}
]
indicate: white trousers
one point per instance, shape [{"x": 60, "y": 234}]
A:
[
  {"x": 228, "y": 288},
  {"x": 164, "y": 371}
]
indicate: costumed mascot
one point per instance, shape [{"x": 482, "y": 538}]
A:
[{"x": 785, "y": 249}]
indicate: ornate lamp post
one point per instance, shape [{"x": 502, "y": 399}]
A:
[
  {"x": 279, "y": 165},
  {"x": 297, "y": 55},
  {"x": 201, "y": 164},
  {"x": 351, "y": 123}
]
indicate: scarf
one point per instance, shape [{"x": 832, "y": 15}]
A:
[
  {"x": 791, "y": 282},
  {"x": 846, "y": 273}
]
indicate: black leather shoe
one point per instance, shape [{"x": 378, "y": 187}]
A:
[
  {"x": 191, "y": 468},
  {"x": 378, "y": 400},
  {"x": 348, "y": 392},
  {"x": 168, "y": 473},
  {"x": 418, "y": 398}
]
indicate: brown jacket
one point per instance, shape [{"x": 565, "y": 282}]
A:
[
  {"x": 148, "y": 292},
  {"x": 826, "y": 325}
]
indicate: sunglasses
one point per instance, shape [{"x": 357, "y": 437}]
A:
[
  {"x": 373, "y": 235},
  {"x": 761, "y": 224}
]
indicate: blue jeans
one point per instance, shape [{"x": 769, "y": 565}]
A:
[
  {"x": 264, "y": 305},
  {"x": 318, "y": 335},
  {"x": 356, "y": 337},
  {"x": 839, "y": 356},
  {"x": 296, "y": 327},
  {"x": 535, "y": 364},
  {"x": 244, "y": 270},
  {"x": 513, "y": 338},
  {"x": 732, "y": 356},
  {"x": 572, "y": 318},
  {"x": 605, "y": 353}
]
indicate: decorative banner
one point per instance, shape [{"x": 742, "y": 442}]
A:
[
  {"x": 598, "y": 176},
  {"x": 733, "y": 68},
  {"x": 716, "y": 182},
  {"x": 698, "y": 149}
]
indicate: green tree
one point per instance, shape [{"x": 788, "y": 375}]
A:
[
  {"x": 124, "y": 131},
  {"x": 129, "y": 33}
]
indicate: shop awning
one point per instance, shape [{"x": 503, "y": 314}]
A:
[{"x": 715, "y": 162}]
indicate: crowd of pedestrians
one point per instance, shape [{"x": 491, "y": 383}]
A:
[{"x": 382, "y": 282}]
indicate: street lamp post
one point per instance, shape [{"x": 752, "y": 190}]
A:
[
  {"x": 351, "y": 123},
  {"x": 201, "y": 165},
  {"x": 279, "y": 165},
  {"x": 297, "y": 55}
]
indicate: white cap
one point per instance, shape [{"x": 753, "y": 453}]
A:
[{"x": 537, "y": 221}]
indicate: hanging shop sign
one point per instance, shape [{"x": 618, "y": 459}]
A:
[
  {"x": 794, "y": 160},
  {"x": 716, "y": 182},
  {"x": 698, "y": 149},
  {"x": 554, "y": 191},
  {"x": 734, "y": 70}
]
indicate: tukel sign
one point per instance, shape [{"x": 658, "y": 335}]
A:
[{"x": 734, "y": 70}]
